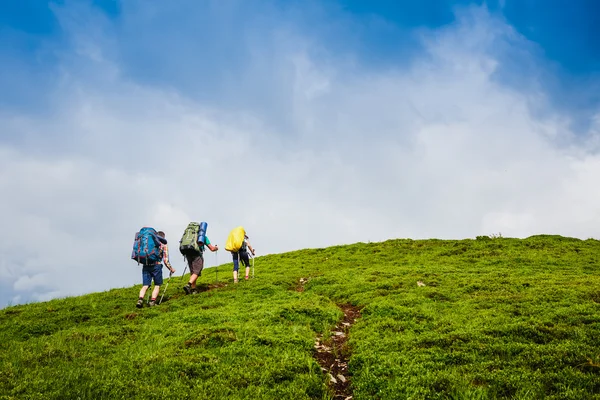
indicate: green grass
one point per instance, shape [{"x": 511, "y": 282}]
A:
[{"x": 498, "y": 318}]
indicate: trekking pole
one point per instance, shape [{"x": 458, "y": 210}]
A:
[
  {"x": 166, "y": 286},
  {"x": 252, "y": 266},
  {"x": 184, "y": 271},
  {"x": 217, "y": 265}
]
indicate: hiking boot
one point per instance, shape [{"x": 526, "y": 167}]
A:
[
  {"x": 246, "y": 277},
  {"x": 151, "y": 303},
  {"x": 195, "y": 290},
  {"x": 187, "y": 289},
  {"x": 140, "y": 303}
]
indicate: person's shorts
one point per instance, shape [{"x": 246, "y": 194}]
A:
[
  {"x": 152, "y": 272},
  {"x": 240, "y": 256},
  {"x": 195, "y": 262}
]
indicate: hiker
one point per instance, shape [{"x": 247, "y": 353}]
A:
[
  {"x": 242, "y": 255},
  {"x": 157, "y": 251},
  {"x": 192, "y": 247}
]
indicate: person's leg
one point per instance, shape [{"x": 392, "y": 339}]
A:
[
  {"x": 155, "y": 292},
  {"x": 158, "y": 280},
  {"x": 143, "y": 291},
  {"x": 190, "y": 260},
  {"x": 146, "y": 282},
  {"x": 236, "y": 265},
  {"x": 198, "y": 266},
  {"x": 188, "y": 287},
  {"x": 196, "y": 263},
  {"x": 246, "y": 262},
  {"x": 140, "y": 302}
]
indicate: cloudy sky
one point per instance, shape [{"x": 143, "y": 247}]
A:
[{"x": 311, "y": 123}]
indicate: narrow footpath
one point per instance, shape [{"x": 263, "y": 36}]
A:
[{"x": 332, "y": 353}]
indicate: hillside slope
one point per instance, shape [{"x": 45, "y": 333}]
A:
[{"x": 485, "y": 318}]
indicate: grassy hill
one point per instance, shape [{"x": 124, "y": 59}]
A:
[{"x": 488, "y": 318}]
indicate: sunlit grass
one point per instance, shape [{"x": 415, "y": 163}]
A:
[{"x": 497, "y": 318}]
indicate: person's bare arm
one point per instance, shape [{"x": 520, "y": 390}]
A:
[
  {"x": 212, "y": 247},
  {"x": 166, "y": 259}
]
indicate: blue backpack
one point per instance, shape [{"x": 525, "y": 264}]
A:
[{"x": 146, "y": 247}]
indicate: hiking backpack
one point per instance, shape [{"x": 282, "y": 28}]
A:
[
  {"x": 235, "y": 240},
  {"x": 146, "y": 247},
  {"x": 194, "y": 233}
]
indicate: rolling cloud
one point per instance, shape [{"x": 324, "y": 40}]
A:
[{"x": 295, "y": 138}]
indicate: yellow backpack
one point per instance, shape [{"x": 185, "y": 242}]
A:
[{"x": 235, "y": 239}]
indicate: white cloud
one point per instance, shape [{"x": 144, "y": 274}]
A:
[
  {"x": 436, "y": 148},
  {"x": 26, "y": 282},
  {"x": 48, "y": 295}
]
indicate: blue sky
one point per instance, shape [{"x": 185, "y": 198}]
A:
[
  {"x": 311, "y": 123},
  {"x": 378, "y": 33},
  {"x": 566, "y": 31}
]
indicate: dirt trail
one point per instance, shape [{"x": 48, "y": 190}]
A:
[{"x": 332, "y": 353}]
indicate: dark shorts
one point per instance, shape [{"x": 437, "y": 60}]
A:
[
  {"x": 240, "y": 256},
  {"x": 195, "y": 262},
  {"x": 152, "y": 272}
]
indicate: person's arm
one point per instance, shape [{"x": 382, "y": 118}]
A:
[
  {"x": 212, "y": 247},
  {"x": 166, "y": 259},
  {"x": 250, "y": 247}
]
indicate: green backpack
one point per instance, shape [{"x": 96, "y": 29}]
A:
[{"x": 189, "y": 240}]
